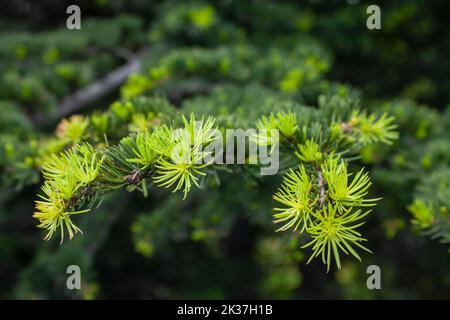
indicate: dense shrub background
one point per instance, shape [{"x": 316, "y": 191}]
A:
[{"x": 213, "y": 58}]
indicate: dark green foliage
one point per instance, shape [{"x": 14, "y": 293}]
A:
[{"x": 39, "y": 69}]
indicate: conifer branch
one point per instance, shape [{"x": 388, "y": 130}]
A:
[{"x": 316, "y": 198}]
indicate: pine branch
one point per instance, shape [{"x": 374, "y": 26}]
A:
[{"x": 78, "y": 178}]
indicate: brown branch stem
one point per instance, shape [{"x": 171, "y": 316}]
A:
[
  {"x": 321, "y": 183},
  {"x": 81, "y": 98}
]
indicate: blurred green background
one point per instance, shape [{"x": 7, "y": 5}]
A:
[{"x": 210, "y": 57}]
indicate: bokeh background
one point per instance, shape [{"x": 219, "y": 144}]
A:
[{"x": 226, "y": 55}]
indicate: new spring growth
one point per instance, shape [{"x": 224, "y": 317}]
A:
[
  {"x": 318, "y": 196},
  {"x": 319, "y": 199},
  {"x": 68, "y": 180}
]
